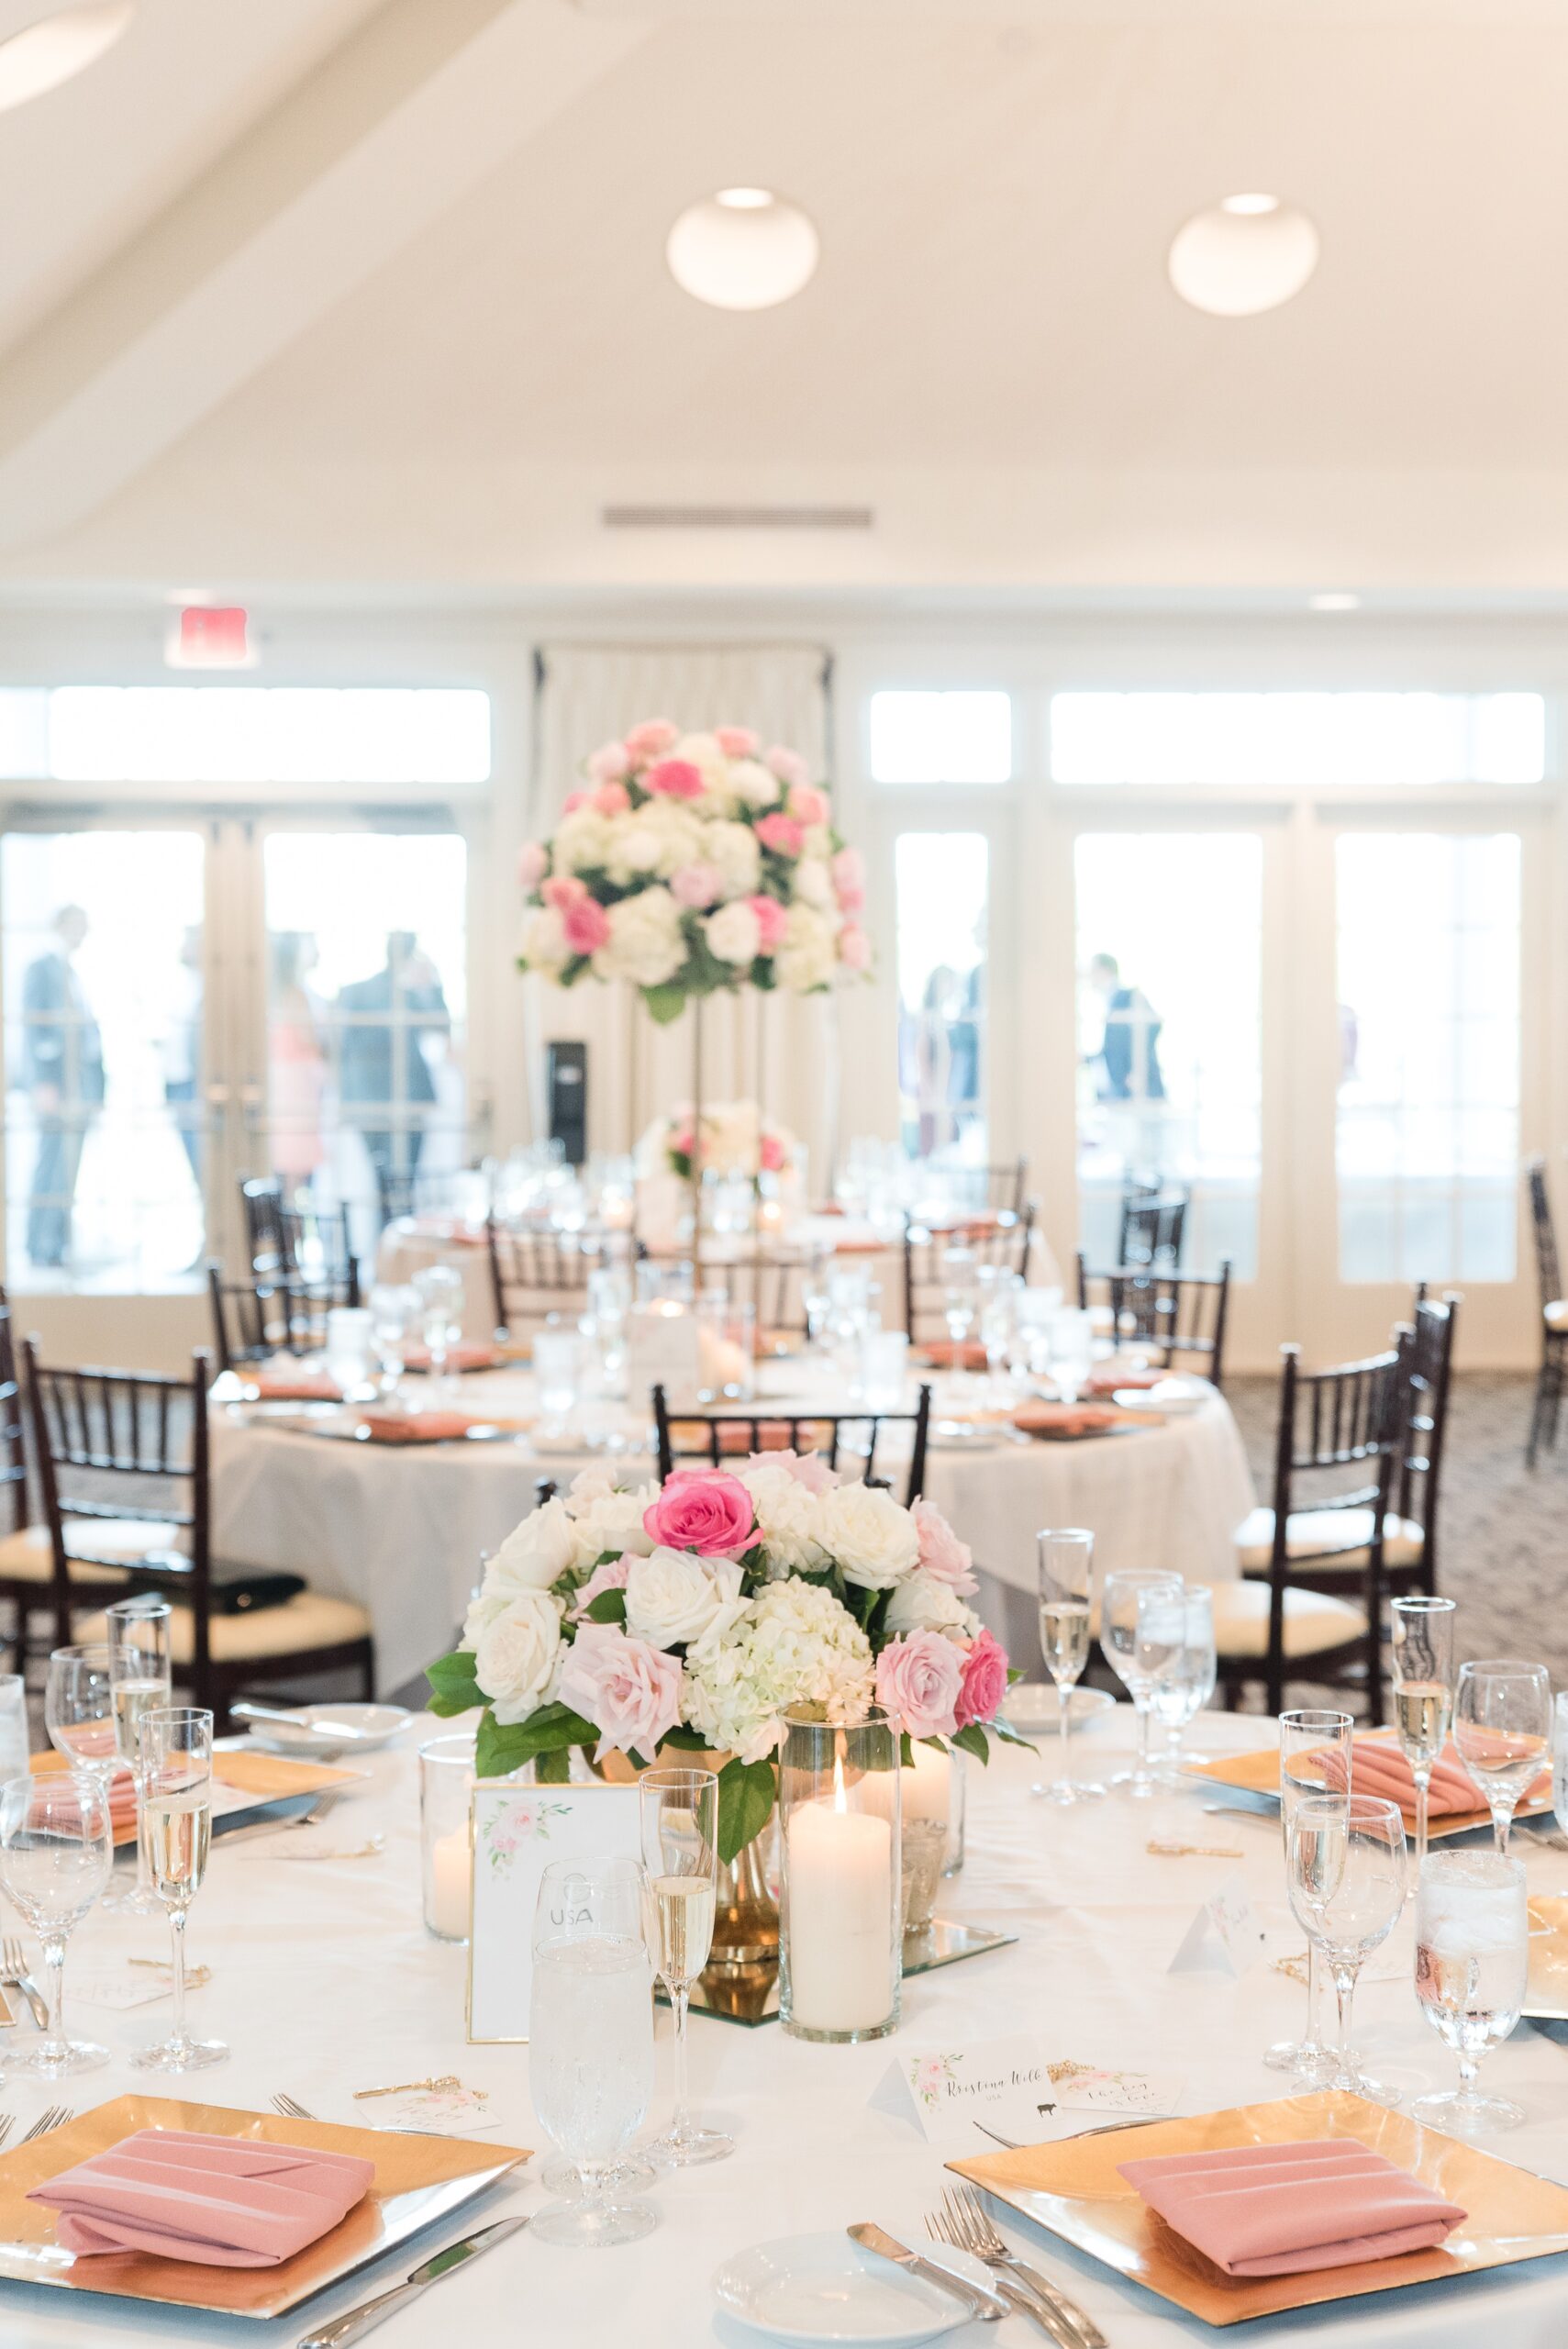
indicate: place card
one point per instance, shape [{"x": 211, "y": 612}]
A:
[
  {"x": 1224, "y": 1936},
  {"x": 662, "y": 1349},
  {"x": 1014, "y": 2088},
  {"x": 515, "y": 1833}
]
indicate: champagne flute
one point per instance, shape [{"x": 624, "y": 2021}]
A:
[
  {"x": 679, "y": 1852},
  {"x": 591, "y": 2038},
  {"x": 55, "y": 1856},
  {"x": 1346, "y": 1873},
  {"x": 1181, "y": 1693},
  {"x": 1314, "y": 1759},
  {"x": 1471, "y": 1966},
  {"x": 1423, "y": 1635},
  {"x": 1065, "y": 1563},
  {"x": 1134, "y": 1656},
  {"x": 1502, "y": 1727},
  {"x": 177, "y": 1762},
  {"x": 139, "y": 1670}
]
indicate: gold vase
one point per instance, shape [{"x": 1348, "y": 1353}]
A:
[{"x": 746, "y": 1915}]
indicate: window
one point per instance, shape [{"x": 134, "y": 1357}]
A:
[
  {"x": 1306, "y": 740},
  {"x": 1427, "y": 1134},
  {"x": 244, "y": 734},
  {"x": 942, "y": 738},
  {"x": 942, "y": 881}
]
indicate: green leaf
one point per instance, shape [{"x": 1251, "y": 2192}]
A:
[
  {"x": 552, "y": 1730},
  {"x": 1008, "y": 1734},
  {"x": 608, "y": 1607},
  {"x": 665, "y": 1003},
  {"x": 906, "y": 1750},
  {"x": 972, "y": 1740},
  {"x": 553, "y": 1769},
  {"x": 453, "y": 1686},
  {"x": 746, "y": 1792},
  {"x": 689, "y": 1741}
]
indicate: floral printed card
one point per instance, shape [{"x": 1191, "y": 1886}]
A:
[
  {"x": 516, "y": 1831},
  {"x": 1017, "y": 2090}
]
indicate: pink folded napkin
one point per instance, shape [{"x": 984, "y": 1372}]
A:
[
  {"x": 221, "y": 2201},
  {"x": 1379, "y": 1767},
  {"x": 293, "y": 1386},
  {"x": 468, "y": 1356},
  {"x": 1280, "y": 2209},
  {"x": 421, "y": 1427}
]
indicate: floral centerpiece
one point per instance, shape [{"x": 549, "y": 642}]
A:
[
  {"x": 693, "y": 1616},
  {"x": 692, "y": 862},
  {"x": 727, "y": 1137}
]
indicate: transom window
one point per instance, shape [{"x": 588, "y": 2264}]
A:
[
  {"x": 942, "y": 738},
  {"x": 1301, "y": 739},
  {"x": 244, "y": 734}
]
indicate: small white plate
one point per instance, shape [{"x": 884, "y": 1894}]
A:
[
  {"x": 1032, "y": 1706},
  {"x": 1172, "y": 1397},
  {"x": 819, "y": 2290},
  {"x": 964, "y": 1435},
  {"x": 379, "y": 1724}
]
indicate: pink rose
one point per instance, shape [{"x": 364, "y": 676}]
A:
[
  {"x": 676, "y": 778},
  {"x": 701, "y": 1509},
  {"x": 788, "y": 765},
  {"x": 781, "y": 834},
  {"x": 696, "y": 886},
  {"x": 630, "y": 1691},
  {"x": 572, "y": 801},
  {"x": 807, "y": 1468},
  {"x": 772, "y": 921},
  {"x": 941, "y": 1553},
  {"x": 772, "y": 1155},
  {"x": 736, "y": 741},
  {"x": 651, "y": 740},
  {"x": 683, "y": 1143},
  {"x": 586, "y": 926},
  {"x": 563, "y": 891},
  {"x": 610, "y": 1575},
  {"x": 849, "y": 869},
  {"x": 533, "y": 863},
  {"x": 918, "y": 1681},
  {"x": 984, "y": 1681},
  {"x": 612, "y": 799},
  {"x": 854, "y": 948},
  {"x": 808, "y": 804},
  {"x": 609, "y": 763}
]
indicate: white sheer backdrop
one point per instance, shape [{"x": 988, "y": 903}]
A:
[{"x": 776, "y": 1047}]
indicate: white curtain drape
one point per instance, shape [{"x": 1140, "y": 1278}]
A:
[{"x": 777, "y": 1050}]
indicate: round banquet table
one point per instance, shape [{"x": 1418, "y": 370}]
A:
[
  {"x": 399, "y": 1529},
  {"x": 324, "y": 1981}
]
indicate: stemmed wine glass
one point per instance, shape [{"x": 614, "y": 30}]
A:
[
  {"x": 1423, "y": 1635},
  {"x": 176, "y": 1765},
  {"x": 140, "y": 1668},
  {"x": 1560, "y": 1761},
  {"x": 960, "y": 1297},
  {"x": 55, "y": 1856},
  {"x": 440, "y": 1291},
  {"x": 1346, "y": 1873},
  {"x": 1136, "y": 1655},
  {"x": 1314, "y": 1762},
  {"x": 1066, "y": 1559},
  {"x": 1502, "y": 1727},
  {"x": 79, "y": 1710},
  {"x": 591, "y": 2038},
  {"x": 1071, "y": 1353},
  {"x": 1182, "y": 1692},
  {"x": 679, "y": 1852},
  {"x": 1472, "y": 1968}
]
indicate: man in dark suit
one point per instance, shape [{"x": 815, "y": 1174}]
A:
[
  {"x": 63, "y": 1056},
  {"x": 1129, "y": 1049},
  {"x": 384, "y": 1079}
]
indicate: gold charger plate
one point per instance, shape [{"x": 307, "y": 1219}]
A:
[
  {"x": 1074, "y": 2189},
  {"x": 1546, "y": 1997},
  {"x": 1257, "y": 1774},
  {"x": 418, "y": 2181}
]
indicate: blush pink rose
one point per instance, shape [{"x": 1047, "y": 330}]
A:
[
  {"x": 772, "y": 921},
  {"x": 849, "y": 871},
  {"x": 788, "y": 765},
  {"x": 781, "y": 834},
  {"x": 612, "y": 799},
  {"x": 563, "y": 891},
  {"x": 572, "y": 801},
  {"x": 586, "y": 926},
  {"x": 854, "y": 948},
  {"x": 941, "y": 1553},
  {"x": 683, "y": 1143},
  {"x": 651, "y": 740},
  {"x": 770, "y": 1154},
  {"x": 807, "y": 1468},
  {"x": 609, "y": 763},
  {"x": 808, "y": 804},
  {"x": 705, "y": 1511},
  {"x": 676, "y": 779},
  {"x": 736, "y": 741},
  {"x": 533, "y": 863},
  {"x": 696, "y": 886},
  {"x": 630, "y": 1691},
  {"x": 609, "y": 1576},
  {"x": 984, "y": 1681},
  {"x": 919, "y": 1682}
]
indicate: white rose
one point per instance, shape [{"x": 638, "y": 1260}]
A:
[
  {"x": 734, "y": 933},
  {"x": 817, "y": 841},
  {"x": 614, "y": 1522},
  {"x": 751, "y": 782},
  {"x": 657, "y": 839},
  {"x": 806, "y": 958},
  {"x": 874, "y": 1541},
  {"x": 517, "y": 1653},
  {"x": 813, "y": 884},
  {"x": 925, "y": 1603},
  {"x": 544, "y": 945},
  {"x": 582, "y": 841},
  {"x": 732, "y": 851},
  {"x": 672, "y": 1596},
  {"x": 535, "y": 1553},
  {"x": 646, "y": 943},
  {"x": 790, "y": 1515}
]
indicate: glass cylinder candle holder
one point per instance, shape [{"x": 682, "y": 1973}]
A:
[
  {"x": 958, "y": 1806},
  {"x": 841, "y": 1925},
  {"x": 446, "y": 1851},
  {"x": 727, "y": 1348}
]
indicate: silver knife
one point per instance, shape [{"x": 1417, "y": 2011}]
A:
[
  {"x": 977, "y": 2299},
  {"x": 373, "y": 2312}
]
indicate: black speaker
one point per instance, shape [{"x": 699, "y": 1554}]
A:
[{"x": 567, "y": 1093}]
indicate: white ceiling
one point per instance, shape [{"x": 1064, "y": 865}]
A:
[{"x": 400, "y": 312}]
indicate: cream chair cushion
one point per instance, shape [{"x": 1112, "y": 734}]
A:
[
  {"x": 306, "y": 1620},
  {"x": 1556, "y": 1313},
  {"x": 27, "y": 1557},
  {"x": 1341, "y": 1533},
  {"x": 1313, "y": 1623}
]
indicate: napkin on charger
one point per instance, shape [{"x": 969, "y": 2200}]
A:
[
  {"x": 417, "y": 1426},
  {"x": 469, "y": 1355},
  {"x": 1379, "y": 1767},
  {"x": 294, "y": 1385},
  {"x": 220, "y": 2201},
  {"x": 1065, "y": 1419},
  {"x": 942, "y": 1355},
  {"x": 1284, "y": 2210}
]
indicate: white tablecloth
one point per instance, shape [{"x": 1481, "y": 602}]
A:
[
  {"x": 400, "y": 1529},
  {"x": 324, "y": 1981}
]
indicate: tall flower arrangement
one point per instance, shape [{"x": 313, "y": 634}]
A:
[
  {"x": 691, "y": 862},
  {"x": 693, "y": 1616},
  {"x": 735, "y": 1137}
]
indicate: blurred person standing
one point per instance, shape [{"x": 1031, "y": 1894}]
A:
[{"x": 63, "y": 1060}]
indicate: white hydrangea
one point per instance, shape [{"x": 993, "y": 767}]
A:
[
  {"x": 806, "y": 958},
  {"x": 583, "y": 842},
  {"x": 658, "y": 839},
  {"x": 871, "y": 1540},
  {"x": 751, "y": 782},
  {"x": 925, "y": 1603},
  {"x": 544, "y": 944},
  {"x": 646, "y": 943},
  {"x": 813, "y": 884},
  {"x": 790, "y": 1515},
  {"x": 734, "y": 934},
  {"x": 731, "y": 848},
  {"x": 793, "y": 1644}
]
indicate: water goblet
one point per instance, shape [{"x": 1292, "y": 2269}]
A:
[
  {"x": 176, "y": 1761},
  {"x": 1182, "y": 1692},
  {"x": 1065, "y": 1558},
  {"x": 79, "y": 1709},
  {"x": 558, "y": 1351},
  {"x": 1313, "y": 1761},
  {"x": 1502, "y": 1727},
  {"x": 1346, "y": 1875},
  {"x": 1471, "y": 1966},
  {"x": 394, "y": 1310},
  {"x": 1421, "y": 1631},
  {"x": 680, "y": 1852},
  {"x": 1136, "y": 1656},
  {"x": 960, "y": 1297},
  {"x": 440, "y": 1291},
  {"x": 1071, "y": 1353},
  {"x": 591, "y": 2040},
  {"x": 55, "y": 1856},
  {"x": 139, "y": 1670}
]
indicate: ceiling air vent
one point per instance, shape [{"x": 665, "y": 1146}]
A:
[{"x": 737, "y": 517}]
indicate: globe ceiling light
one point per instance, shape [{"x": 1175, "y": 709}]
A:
[
  {"x": 1334, "y": 599},
  {"x": 1245, "y": 255},
  {"x": 43, "y": 55},
  {"x": 744, "y": 248}
]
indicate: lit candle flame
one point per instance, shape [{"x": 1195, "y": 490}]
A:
[{"x": 839, "y": 1802}]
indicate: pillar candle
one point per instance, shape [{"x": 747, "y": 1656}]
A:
[
  {"x": 925, "y": 1785},
  {"x": 448, "y": 1898},
  {"x": 841, "y": 1946}
]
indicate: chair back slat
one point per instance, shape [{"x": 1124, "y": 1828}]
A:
[
  {"x": 804, "y": 1432},
  {"x": 1174, "y": 1313},
  {"x": 1153, "y": 1223},
  {"x": 13, "y": 1440}
]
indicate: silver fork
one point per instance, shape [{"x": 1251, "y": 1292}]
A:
[
  {"x": 964, "y": 2222},
  {"x": 14, "y": 1969},
  {"x": 7, "y": 2122},
  {"x": 55, "y": 2118},
  {"x": 290, "y": 2110}
]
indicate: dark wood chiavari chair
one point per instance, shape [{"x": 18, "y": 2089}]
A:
[
  {"x": 1180, "y": 1317},
  {"x": 534, "y": 1275},
  {"x": 136, "y": 1432},
  {"x": 731, "y": 1436},
  {"x": 307, "y": 1251},
  {"x": 1548, "y": 1405},
  {"x": 774, "y": 1286},
  {"x": 252, "y": 1321},
  {"x": 988, "y": 1190},
  {"x": 1004, "y": 1238},
  {"x": 26, "y": 1558},
  {"x": 1153, "y": 1222}
]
